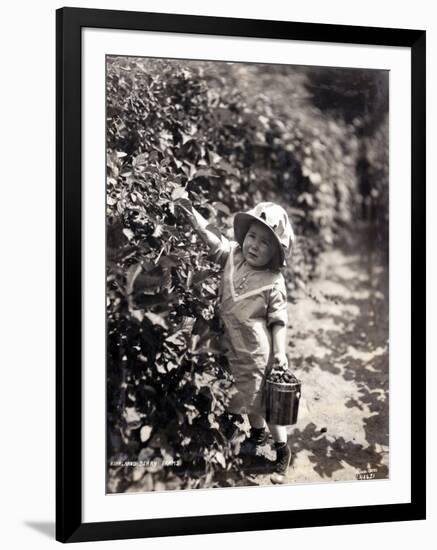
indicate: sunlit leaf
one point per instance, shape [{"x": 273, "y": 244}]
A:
[
  {"x": 145, "y": 433},
  {"x": 179, "y": 193},
  {"x": 156, "y": 319},
  {"x": 157, "y": 231},
  {"x": 177, "y": 338},
  {"x": 129, "y": 233},
  {"x": 220, "y": 459},
  {"x": 132, "y": 417}
]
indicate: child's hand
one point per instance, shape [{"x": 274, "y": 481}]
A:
[
  {"x": 198, "y": 223},
  {"x": 280, "y": 361}
]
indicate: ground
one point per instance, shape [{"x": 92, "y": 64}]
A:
[{"x": 338, "y": 338}]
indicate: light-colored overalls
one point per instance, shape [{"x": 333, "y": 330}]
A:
[{"x": 250, "y": 301}]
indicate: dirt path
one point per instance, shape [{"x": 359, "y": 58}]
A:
[{"x": 339, "y": 347}]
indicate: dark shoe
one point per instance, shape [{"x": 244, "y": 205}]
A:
[
  {"x": 282, "y": 462},
  {"x": 258, "y": 436}
]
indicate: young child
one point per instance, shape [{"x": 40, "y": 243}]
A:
[{"x": 253, "y": 310}]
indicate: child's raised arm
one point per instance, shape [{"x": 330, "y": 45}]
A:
[{"x": 199, "y": 223}]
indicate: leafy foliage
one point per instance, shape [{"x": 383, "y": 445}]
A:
[{"x": 357, "y": 96}]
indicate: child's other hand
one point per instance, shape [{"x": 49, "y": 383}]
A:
[{"x": 280, "y": 361}]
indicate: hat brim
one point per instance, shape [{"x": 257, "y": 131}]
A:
[{"x": 242, "y": 222}]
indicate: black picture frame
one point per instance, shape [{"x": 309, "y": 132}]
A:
[{"x": 69, "y": 24}]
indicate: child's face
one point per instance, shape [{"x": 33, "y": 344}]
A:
[{"x": 259, "y": 245}]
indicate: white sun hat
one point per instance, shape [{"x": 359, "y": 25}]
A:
[{"x": 272, "y": 216}]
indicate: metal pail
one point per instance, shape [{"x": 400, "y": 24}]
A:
[{"x": 282, "y": 402}]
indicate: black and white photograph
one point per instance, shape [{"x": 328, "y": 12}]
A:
[
  {"x": 217, "y": 282},
  {"x": 247, "y": 264}
]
